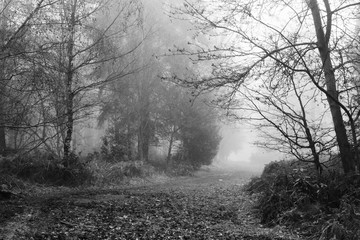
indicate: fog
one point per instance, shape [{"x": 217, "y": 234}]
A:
[
  {"x": 238, "y": 152},
  {"x": 127, "y": 103}
]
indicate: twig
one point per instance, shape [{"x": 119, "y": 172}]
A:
[{"x": 68, "y": 224}]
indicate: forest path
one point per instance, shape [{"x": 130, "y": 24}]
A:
[{"x": 209, "y": 205}]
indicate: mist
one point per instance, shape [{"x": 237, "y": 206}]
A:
[
  {"x": 155, "y": 119},
  {"x": 238, "y": 152},
  {"x": 144, "y": 87}
]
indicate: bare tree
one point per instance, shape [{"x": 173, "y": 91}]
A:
[
  {"x": 255, "y": 38},
  {"x": 290, "y": 118}
]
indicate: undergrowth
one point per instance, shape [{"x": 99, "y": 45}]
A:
[
  {"x": 321, "y": 207},
  {"x": 43, "y": 169}
]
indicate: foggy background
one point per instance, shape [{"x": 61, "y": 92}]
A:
[{"x": 237, "y": 150}]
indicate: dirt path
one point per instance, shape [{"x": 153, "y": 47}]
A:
[{"x": 210, "y": 205}]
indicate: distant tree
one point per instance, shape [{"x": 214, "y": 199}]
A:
[
  {"x": 127, "y": 107},
  {"x": 172, "y": 101},
  {"x": 199, "y": 135},
  {"x": 142, "y": 105},
  {"x": 118, "y": 114},
  {"x": 182, "y": 121}
]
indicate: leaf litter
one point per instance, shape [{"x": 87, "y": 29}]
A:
[{"x": 185, "y": 208}]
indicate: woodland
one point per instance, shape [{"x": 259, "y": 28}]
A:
[{"x": 98, "y": 96}]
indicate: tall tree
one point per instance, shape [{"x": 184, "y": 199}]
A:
[{"x": 331, "y": 92}]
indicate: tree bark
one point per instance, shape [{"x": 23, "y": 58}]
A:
[
  {"x": 144, "y": 135},
  {"x": 3, "y": 81},
  {"x": 168, "y": 158},
  {"x": 117, "y": 131},
  {"x": 2, "y": 122},
  {"x": 330, "y": 81},
  {"x": 128, "y": 142},
  {"x": 314, "y": 153},
  {"x": 68, "y": 85}
]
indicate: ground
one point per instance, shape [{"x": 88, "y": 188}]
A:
[{"x": 209, "y": 205}]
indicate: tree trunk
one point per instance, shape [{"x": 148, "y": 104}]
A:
[
  {"x": 117, "y": 136},
  {"x": 314, "y": 153},
  {"x": 144, "y": 135},
  {"x": 128, "y": 142},
  {"x": 168, "y": 158},
  {"x": 2, "y": 128},
  {"x": 330, "y": 81},
  {"x": 69, "y": 129},
  {"x": 144, "y": 117},
  {"x": 3, "y": 81},
  {"x": 69, "y": 100}
]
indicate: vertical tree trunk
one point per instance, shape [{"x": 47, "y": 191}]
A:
[
  {"x": 2, "y": 122},
  {"x": 128, "y": 142},
  {"x": 117, "y": 131},
  {"x": 69, "y": 128},
  {"x": 144, "y": 102},
  {"x": 69, "y": 96},
  {"x": 3, "y": 81},
  {"x": 3, "y": 84},
  {"x": 144, "y": 135},
  {"x": 313, "y": 150},
  {"x": 168, "y": 158},
  {"x": 330, "y": 81}
]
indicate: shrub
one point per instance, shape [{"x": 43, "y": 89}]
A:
[
  {"x": 105, "y": 172},
  {"x": 44, "y": 168},
  {"x": 291, "y": 193},
  {"x": 159, "y": 165},
  {"x": 181, "y": 169},
  {"x": 115, "y": 150}
]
